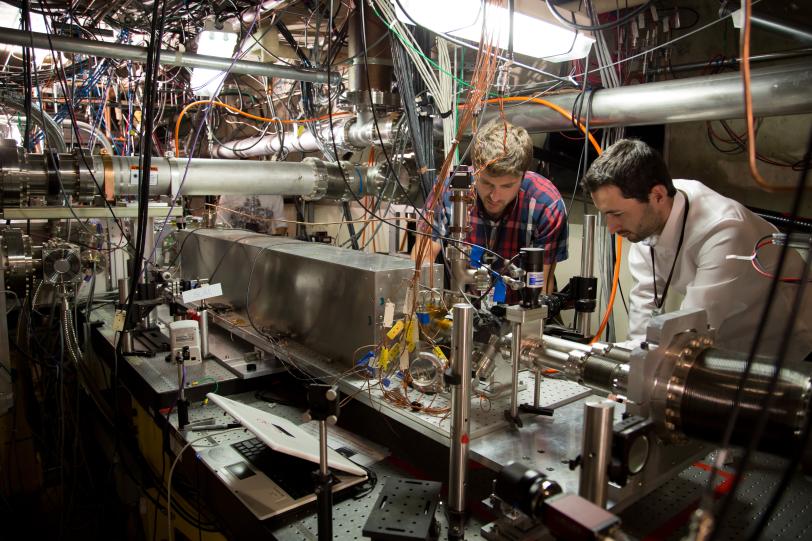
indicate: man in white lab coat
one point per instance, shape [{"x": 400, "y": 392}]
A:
[{"x": 684, "y": 235}]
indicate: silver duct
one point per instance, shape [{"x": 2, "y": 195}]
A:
[
  {"x": 780, "y": 26},
  {"x": 93, "y": 132},
  {"x": 349, "y": 134},
  {"x": 23, "y": 175},
  {"x": 52, "y": 130},
  {"x": 777, "y": 90},
  {"x": 311, "y": 178},
  {"x": 11, "y": 36}
]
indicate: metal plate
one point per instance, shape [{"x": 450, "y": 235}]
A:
[
  {"x": 55, "y": 213},
  {"x": 329, "y": 299},
  {"x": 404, "y": 510},
  {"x": 159, "y": 375}
]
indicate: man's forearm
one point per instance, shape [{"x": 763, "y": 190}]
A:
[
  {"x": 549, "y": 278},
  {"x": 426, "y": 250}
]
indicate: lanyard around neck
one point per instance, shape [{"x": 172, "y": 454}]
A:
[{"x": 660, "y": 301}]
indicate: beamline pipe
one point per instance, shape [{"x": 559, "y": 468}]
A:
[
  {"x": 11, "y": 36},
  {"x": 780, "y": 89}
]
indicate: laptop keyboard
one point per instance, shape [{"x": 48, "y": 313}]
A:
[{"x": 292, "y": 474}]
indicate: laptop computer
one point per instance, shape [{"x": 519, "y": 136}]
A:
[{"x": 272, "y": 472}]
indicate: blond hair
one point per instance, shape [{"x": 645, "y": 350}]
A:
[{"x": 500, "y": 148}]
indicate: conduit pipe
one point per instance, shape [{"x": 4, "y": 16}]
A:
[
  {"x": 311, "y": 178},
  {"x": 780, "y": 89},
  {"x": 266, "y": 145},
  {"x": 350, "y": 134},
  {"x": 11, "y": 36}
]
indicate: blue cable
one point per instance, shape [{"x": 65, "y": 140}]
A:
[{"x": 360, "y": 182}]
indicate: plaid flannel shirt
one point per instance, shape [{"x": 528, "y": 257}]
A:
[{"x": 537, "y": 218}]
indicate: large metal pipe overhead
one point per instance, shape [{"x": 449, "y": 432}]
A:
[
  {"x": 11, "y": 36},
  {"x": 774, "y": 24},
  {"x": 781, "y": 89},
  {"x": 351, "y": 134}
]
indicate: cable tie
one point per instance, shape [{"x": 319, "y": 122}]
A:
[{"x": 741, "y": 257}]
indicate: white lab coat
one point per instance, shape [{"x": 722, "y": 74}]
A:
[{"x": 731, "y": 291}]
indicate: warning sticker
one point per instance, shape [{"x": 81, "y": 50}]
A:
[{"x": 135, "y": 174}]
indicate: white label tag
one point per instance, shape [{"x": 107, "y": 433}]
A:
[
  {"x": 407, "y": 305},
  {"x": 118, "y": 320},
  {"x": 200, "y": 293},
  {"x": 388, "y": 314},
  {"x": 135, "y": 173},
  {"x": 535, "y": 279},
  {"x": 404, "y": 359}
]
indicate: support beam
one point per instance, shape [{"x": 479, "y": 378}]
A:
[{"x": 10, "y": 36}]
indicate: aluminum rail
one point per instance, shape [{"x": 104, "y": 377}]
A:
[
  {"x": 780, "y": 89},
  {"x": 11, "y": 36},
  {"x": 733, "y": 63}
]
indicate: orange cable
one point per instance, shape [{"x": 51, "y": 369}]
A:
[
  {"x": 554, "y": 107},
  {"x": 239, "y": 112},
  {"x": 748, "y": 106},
  {"x": 615, "y": 281},
  {"x": 597, "y": 147}
]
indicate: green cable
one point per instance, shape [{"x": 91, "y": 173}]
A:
[
  {"x": 406, "y": 43},
  {"x": 457, "y": 104},
  {"x": 208, "y": 378}
]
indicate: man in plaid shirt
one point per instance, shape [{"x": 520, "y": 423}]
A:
[{"x": 514, "y": 207}]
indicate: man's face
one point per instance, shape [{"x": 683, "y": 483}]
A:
[
  {"x": 496, "y": 193},
  {"x": 629, "y": 218}
]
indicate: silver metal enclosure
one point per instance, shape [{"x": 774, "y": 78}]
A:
[{"x": 326, "y": 298}]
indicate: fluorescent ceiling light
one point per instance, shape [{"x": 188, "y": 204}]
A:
[
  {"x": 532, "y": 36},
  {"x": 205, "y": 82},
  {"x": 10, "y": 17}
]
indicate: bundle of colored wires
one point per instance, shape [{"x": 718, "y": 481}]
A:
[{"x": 762, "y": 242}]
